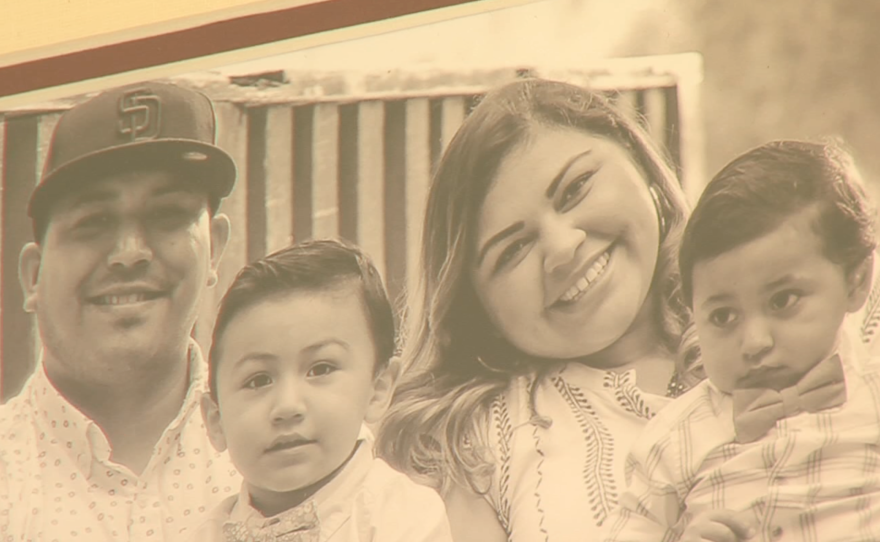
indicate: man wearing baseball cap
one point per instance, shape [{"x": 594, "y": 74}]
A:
[{"x": 105, "y": 441}]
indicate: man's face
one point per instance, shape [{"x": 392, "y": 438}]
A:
[{"x": 118, "y": 277}]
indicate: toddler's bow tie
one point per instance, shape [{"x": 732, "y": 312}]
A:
[
  {"x": 756, "y": 410},
  {"x": 298, "y": 524}
]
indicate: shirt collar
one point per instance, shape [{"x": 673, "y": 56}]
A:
[
  {"x": 854, "y": 354},
  {"x": 333, "y": 502},
  {"x": 82, "y": 439},
  {"x": 852, "y": 357}
]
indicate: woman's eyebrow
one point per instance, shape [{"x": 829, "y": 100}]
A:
[
  {"x": 554, "y": 184},
  {"x": 510, "y": 230},
  {"x": 722, "y": 297}
]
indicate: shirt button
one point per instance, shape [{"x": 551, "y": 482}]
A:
[{"x": 777, "y": 532}]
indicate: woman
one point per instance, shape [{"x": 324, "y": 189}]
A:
[{"x": 548, "y": 325}]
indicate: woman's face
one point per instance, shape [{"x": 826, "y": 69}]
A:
[{"x": 566, "y": 244}]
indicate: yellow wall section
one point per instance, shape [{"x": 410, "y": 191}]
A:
[{"x": 36, "y": 24}]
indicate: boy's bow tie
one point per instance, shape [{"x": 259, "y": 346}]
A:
[
  {"x": 298, "y": 524},
  {"x": 756, "y": 410}
]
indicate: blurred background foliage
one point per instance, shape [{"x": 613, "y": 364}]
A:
[{"x": 781, "y": 69}]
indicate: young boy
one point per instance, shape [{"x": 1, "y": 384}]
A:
[
  {"x": 299, "y": 361},
  {"x": 781, "y": 442}
]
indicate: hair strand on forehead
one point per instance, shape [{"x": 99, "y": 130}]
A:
[
  {"x": 322, "y": 265},
  {"x": 757, "y": 191}
]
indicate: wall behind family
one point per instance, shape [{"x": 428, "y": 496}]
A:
[{"x": 782, "y": 69}]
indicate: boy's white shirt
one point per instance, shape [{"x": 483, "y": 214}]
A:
[{"x": 366, "y": 501}]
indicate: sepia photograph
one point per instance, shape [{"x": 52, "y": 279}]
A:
[{"x": 442, "y": 270}]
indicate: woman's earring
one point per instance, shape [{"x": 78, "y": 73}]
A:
[
  {"x": 489, "y": 367},
  {"x": 658, "y": 204}
]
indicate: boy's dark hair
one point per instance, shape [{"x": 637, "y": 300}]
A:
[
  {"x": 752, "y": 195},
  {"x": 314, "y": 265}
]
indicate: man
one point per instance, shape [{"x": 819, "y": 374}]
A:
[{"x": 106, "y": 441}]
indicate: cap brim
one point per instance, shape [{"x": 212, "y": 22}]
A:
[{"x": 204, "y": 164}]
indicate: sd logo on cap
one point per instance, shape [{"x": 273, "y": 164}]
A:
[{"x": 145, "y": 126}]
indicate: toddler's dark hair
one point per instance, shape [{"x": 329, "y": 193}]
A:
[
  {"x": 325, "y": 264},
  {"x": 752, "y": 195}
]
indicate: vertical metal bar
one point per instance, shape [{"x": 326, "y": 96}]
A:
[
  {"x": 395, "y": 196},
  {"x": 302, "y": 172},
  {"x": 20, "y": 159},
  {"x": 418, "y": 174},
  {"x": 654, "y": 104},
  {"x": 349, "y": 172},
  {"x": 452, "y": 117},
  {"x": 628, "y": 102},
  {"x": 690, "y": 135},
  {"x": 436, "y": 137},
  {"x": 279, "y": 177},
  {"x": 44, "y": 137},
  {"x": 671, "y": 127},
  {"x": 325, "y": 174},
  {"x": 371, "y": 182},
  {"x": 256, "y": 187}
]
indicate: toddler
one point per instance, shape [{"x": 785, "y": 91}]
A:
[
  {"x": 300, "y": 361},
  {"x": 781, "y": 441}
]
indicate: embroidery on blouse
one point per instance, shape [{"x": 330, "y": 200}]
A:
[
  {"x": 598, "y": 470},
  {"x": 539, "y": 507},
  {"x": 504, "y": 432},
  {"x": 627, "y": 394}
]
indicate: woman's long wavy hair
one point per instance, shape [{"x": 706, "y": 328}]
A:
[{"x": 455, "y": 361}]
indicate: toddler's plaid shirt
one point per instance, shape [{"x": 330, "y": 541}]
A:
[{"x": 814, "y": 477}]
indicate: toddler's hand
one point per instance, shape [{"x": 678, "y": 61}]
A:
[{"x": 720, "y": 526}]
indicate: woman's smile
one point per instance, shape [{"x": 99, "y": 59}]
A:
[{"x": 583, "y": 281}]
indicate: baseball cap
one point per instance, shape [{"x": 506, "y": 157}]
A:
[{"x": 145, "y": 126}]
